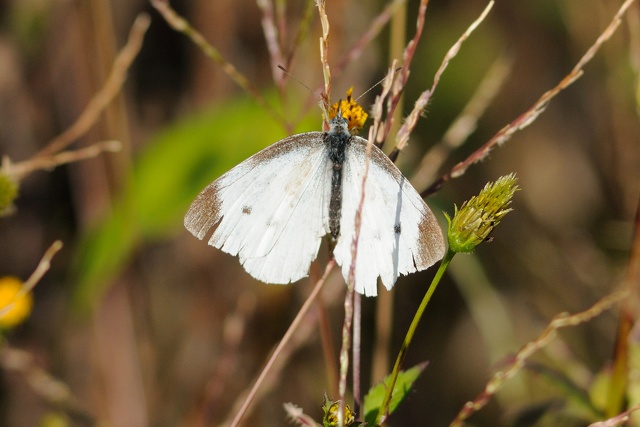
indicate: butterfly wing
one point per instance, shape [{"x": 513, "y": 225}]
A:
[
  {"x": 398, "y": 235},
  {"x": 271, "y": 210}
]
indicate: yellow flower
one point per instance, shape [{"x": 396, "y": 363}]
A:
[
  {"x": 351, "y": 111},
  {"x": 15, "y": 306}
]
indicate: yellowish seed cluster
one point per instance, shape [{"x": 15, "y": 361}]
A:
[{"x": 331, "y": 415}]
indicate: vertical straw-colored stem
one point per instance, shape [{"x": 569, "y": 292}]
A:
[
  {"x": 357, "y": 334},
  {"x": 344, "y": 351}
]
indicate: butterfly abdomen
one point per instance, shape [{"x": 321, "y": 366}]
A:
[{"x": 336, "y": 140}]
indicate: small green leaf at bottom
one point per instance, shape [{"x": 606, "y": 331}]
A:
[{"x": 374, "y": 398}]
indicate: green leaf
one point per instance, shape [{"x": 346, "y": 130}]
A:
[
  {"x": 373, "y": 399},
  {"x": 176, "y": 165}
]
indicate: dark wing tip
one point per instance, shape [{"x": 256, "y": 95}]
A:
[
  {"x": 432, "y": 245},
  {"x": 203, "y": 213}
]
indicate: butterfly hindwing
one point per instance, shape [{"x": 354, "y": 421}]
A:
[
  {"x": 271, "y": 210},
  {"x": 399, "y": 234}
]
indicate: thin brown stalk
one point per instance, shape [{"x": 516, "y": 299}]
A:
[
  {"x": 226, "y": 365},
  {"x": 349, "y": 298},
  {"x": 286, "y": 339},
  {"x": 21, "y": 169},
  {"x": 107, "y": 93},
  {"x": 465, "y": 123},
  {"x": 618, "y": 386},
  {"x": 356, "y": 352},
  {"x": 403, "y": 76},
  {"x": 328, "y": 349},
  {"x": 273, "y": 39},
  {"x": 358, "y": 47},
  {"x": 538, "y": 108},
  {"x": 42, "y": 267},
  {"x": 377, "y": 24},
  {"x": 402, "y": 137},
  {"x": 46, "y": 386},
  {"x": 303, "y": 29},
  {"x": 346, "y": 337},
  {"x": 384, "y": 303},
  {"x": 281, "y": 20},
  {"x": 297, "y": 415},
  {"x": 180, "y": 24},
  {"x": 618, "y": 419},
  {"x": 42, "y": 383},
  {"x": 563, "y": 320}
]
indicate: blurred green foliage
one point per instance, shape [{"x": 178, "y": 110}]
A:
[{"x": 176, "y": 165}]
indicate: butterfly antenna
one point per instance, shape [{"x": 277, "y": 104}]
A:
[
  {"x": 294, "y": 78},
  {"x": 375, "y": 85},
  {"x": 324, "y": 113}
]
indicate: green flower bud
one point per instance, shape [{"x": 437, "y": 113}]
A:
[
  {"x": 8, "y": 193},
  {"x": 475, "y": 220}
]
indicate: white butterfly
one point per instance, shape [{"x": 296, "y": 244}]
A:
[{"x": 273, "y": 209}]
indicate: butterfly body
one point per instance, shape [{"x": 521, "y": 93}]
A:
[
  {"x": 273, "y": 209},
  {"x": 336, "y": 141}
]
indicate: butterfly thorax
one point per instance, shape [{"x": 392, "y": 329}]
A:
[{"x": 336, "y": 140}]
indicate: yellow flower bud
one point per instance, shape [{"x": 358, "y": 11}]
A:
[{"x": 15, "y": 305}]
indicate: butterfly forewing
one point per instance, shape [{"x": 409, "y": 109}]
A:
[
  {"x": 399, "y": 234},
  {"x": 271, "y": 210}
]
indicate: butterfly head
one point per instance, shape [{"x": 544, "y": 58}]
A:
[
  {"x": 339, "y": 125},
  {"x": 350, "y": 111}
]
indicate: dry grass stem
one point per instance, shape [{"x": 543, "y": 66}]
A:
[
  {"x": 51, "y": 390},
  {"x": 538, "y": 108},
  {"x": 563, "y": 320},
  {"x": 402, "y": 138},
  {"x": 617, "y": 420},
  {"x": 376, "y": 25},
  {"x": 180, "y": 24},
  {"x": 234, "y": 329},
  {"x": 297, "y": 416},
  {"x": 350, "y": 296},
  {"x": 623, "y": 366},
  {"x": 324, "y": 57},
  {"x": 107, "y": 93},
  {"x": 402, "y": 78},
  {"x": 42, "y": 267},
  {"x": 248, "y": 397},
  {"x": 21, "y": 169},
  {"x": 301, "y": 34},
  {"x": 465, "y": 124},
  {"x": 272, "y": 37}
]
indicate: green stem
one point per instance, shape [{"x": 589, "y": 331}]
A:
[{"x": 382, "y": 412}]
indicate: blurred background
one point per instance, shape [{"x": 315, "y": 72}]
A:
[{"x": 144, "y": 325}]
